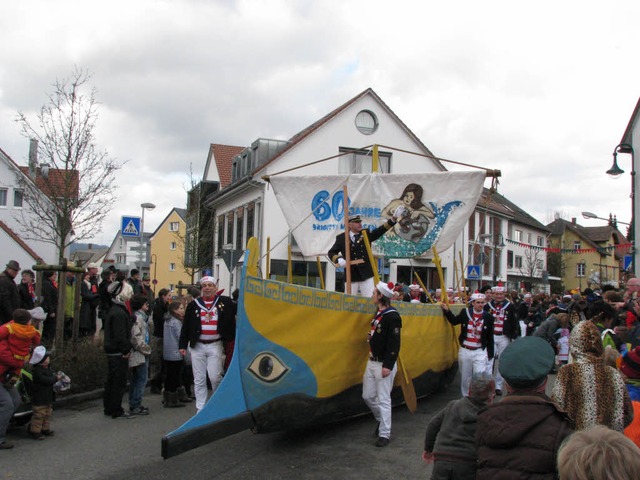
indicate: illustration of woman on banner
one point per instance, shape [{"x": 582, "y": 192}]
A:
[{"x": 415, "y": 222}]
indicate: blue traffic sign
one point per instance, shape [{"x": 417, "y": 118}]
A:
[
  {"x": 473, "y": 272},
  {"x": 130, "y": 227},
  {"x": 628, "y": 260}
]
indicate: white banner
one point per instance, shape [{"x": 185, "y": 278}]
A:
[{"x": 437, "y": 208}]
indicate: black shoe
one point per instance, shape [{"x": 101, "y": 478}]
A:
[
  {"x": 498, "y": 392},
  {"x": 6, "y": 445},
  {"x": 124, "y": 415},
  {"x": 139, "y": 411},
  {"x": 36, "y": 435},
  {"x": 382, "y": 442}
]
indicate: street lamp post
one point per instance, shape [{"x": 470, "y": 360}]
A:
[
  {"x": 154, "y": 282},
  {"x": 591, "y": 215},
  {"x": 614, "y": 172},
  {"x": 144, "y": 206}
]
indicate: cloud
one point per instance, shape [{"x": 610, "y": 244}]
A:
[{"x": 542, "y": 92}]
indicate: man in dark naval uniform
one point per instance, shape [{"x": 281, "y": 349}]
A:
[{"x": 361, "y": 268}]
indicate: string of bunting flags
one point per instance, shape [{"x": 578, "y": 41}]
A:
[{"x": 621, "y": 246}]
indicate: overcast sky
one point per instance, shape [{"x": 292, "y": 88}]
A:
[{"x": 542, "y": 91}]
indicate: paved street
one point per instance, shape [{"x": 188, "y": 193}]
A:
[{"x": 88, "y": 445}]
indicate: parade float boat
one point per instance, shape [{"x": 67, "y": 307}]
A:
[{"x": 300, "y": 352}]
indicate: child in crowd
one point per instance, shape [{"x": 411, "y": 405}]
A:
[
  {"x": 139, "y": 359},
  {"x": 450, "y": 440},
  {"x": 174, "y": 392},
  {"x": 42, "y": 394},
  {"x": 563, "y": 347},
  {"x": 16, "y": 339}
]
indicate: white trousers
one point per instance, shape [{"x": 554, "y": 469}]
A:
[
  {"x": 364, "y": 288},
  {"x": 470, "y": 362},
  {"x": 500, "y": 342},
  {"x": 376, "y": 392},
  {"x": 523, "y": 328},
  {"x": 206, "y": 359}
]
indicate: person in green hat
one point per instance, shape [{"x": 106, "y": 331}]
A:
[{"x": 519, "y": 437}]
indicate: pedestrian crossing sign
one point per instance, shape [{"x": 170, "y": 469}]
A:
[
  {"x": 130, "y": 227},
  {"x": 473, "y": 272}
]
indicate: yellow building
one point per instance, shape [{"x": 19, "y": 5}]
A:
[
  {"x": 589, "y": 256},
  {"x": 167, "y": 267}
]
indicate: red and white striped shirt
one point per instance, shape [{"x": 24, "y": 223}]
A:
[
  {"x": 208, "y": 319},
  {"x": 473, "y": 338},
  {"x": 498, "y": 312}
]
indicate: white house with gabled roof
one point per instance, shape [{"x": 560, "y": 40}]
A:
[{"x": 248, "y": 207}]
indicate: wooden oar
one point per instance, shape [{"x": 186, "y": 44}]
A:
[{"x": 406, "y": 382}]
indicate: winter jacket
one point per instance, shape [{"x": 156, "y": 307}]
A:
[
  {"x": 9, "y": 297},
  {"x": 547, "y": 330},
  {"x": 170, "y": 347},
  {"x": 519, "y": 438},
  {"x": 42, "y": 388},
  {"x": 588, "y": 390},
  {"x": 160, "y": 309},
  {"x": 117, "y": 330},
  {"x": 451, "y": 433},
  {"x": 140, "y": 339}
]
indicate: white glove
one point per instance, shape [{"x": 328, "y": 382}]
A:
[
  {"x": 342, "y": 262},
  {"x": 399, "y": 211}
]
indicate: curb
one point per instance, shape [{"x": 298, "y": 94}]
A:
[{"x": 76, "y": 398}]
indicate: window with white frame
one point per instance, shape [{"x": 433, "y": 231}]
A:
[
  {"x": 173, "y": 246},
  {"x": 576, "y": 245},
  {"x": 18, "y": 198},
  {"x": 540, "y": 241},
  {"x": 174, "y": 226},
  {"x": 518, "y": 261},
  {"x": 3, "y": 197},
  {"x": 517, "y": 235},
  {"x": 360, "y": 161},
  {"x": 581, "y": 268},
  {"x": 529, "y": 238},
  {"x": 121, "y": 258},
  {"x": 172, "y": 267}
]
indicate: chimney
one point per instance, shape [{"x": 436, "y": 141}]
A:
[
  {"x": 33, "y": 158},
  {"x": 573, "y": 220}
]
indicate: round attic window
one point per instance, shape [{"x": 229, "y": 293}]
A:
[{"x": 366, "y": 122}]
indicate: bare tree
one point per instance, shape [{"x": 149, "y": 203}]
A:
[
  {"x": 77, "y": 178},
  {"x": 532, "y": 265}
]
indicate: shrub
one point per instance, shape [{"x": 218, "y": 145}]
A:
[{"x": 84, "y": 362}]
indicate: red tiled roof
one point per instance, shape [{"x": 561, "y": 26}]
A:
[
  {"x": 60, "y": 183},
  {"x": 20, "y": 242},
  {"x": 223, "y": 156}
]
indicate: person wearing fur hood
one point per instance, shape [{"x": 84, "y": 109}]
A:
[{"x": 591, "y": 392}]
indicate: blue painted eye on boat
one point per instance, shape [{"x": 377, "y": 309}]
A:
[{"x": 267, "y": 367}]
